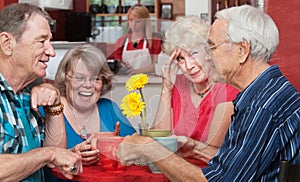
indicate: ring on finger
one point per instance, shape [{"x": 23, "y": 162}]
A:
[
  {"x": 142, "y": 164},
  {"x": 72, "y": 168}
]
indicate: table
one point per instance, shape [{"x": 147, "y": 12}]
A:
[
  {"x": 95, "y": 173},
  {"x": 132, "y": 173}
]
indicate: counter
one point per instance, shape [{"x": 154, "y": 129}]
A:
[
  {"x": 60, "y": 47},
  {"x": 153, "y": 79},
  {"x": 151, "y": 93}
]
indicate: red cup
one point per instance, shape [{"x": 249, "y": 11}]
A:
[
  {"x": 108, "y": 147},
  {"x": 102, "y": 134},
  {"x": 97, "y": 135}
]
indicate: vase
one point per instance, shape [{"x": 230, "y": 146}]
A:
[{"x": 143, "y": 129}]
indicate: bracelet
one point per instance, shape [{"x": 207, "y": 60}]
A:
[
  {"x": 54, "y": 112},
  {"x": 55, "y": 105}
]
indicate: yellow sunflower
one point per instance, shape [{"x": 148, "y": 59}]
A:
[
  {"x": 132, "y": 105},
  {"x": 136, "y": 82}
]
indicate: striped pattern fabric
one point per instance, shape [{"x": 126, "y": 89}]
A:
[
  {"x": 14, "y": 112},
  {"x": 263, "y": 131}
]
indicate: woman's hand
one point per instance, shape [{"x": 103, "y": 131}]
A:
[
  {"x": 169, "y": 74},
  {"x": 89, "y": 154},
  {"x": 117, "y": 129},
  {"x": 186, "y": 146}
]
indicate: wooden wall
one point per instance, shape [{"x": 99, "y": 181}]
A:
[{"x": 178, "y": 7}]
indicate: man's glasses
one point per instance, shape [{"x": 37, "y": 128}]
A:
[
  {"x": 209, "y": 49},
  {"x": 80, "y": 79}
]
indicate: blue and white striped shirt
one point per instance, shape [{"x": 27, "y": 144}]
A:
[
  {"x": 263, "y": 131},
  {"x": 21, "y": 129}
]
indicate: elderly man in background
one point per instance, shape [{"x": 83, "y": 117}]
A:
[
  {"x": 265, "y": 125},
  {"x": 24, "y": 51}
]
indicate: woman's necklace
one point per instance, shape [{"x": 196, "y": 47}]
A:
[
  {"x": 83, "y": 132},
  {"x": 202, "y": 94},
  {"x": 82, "y": 129},
  {"x": 135, "y": 40}
]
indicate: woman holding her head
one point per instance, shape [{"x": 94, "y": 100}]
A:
[
  {"x": 195, "y": 108},
  {"x": 138, "y": 49}
]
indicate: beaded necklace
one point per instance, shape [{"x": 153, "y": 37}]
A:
[{"x": 202, "y": 94}]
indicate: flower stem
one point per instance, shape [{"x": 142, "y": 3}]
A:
[{"x": 143, "y": 115}]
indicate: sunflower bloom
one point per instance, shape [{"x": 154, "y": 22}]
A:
[
  {"x": 132, "y": 105},
  {"x": 136, "y": 82}
]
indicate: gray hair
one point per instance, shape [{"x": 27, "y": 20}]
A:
[
  {"x": 92, "y": 57},
  {"x": 251, "y": 24},
  {"x": 14, "y": 17},
  {"x": 185, "y": 33}
]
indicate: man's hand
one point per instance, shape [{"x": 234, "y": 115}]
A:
[
  {"x": 44, "y": 94},
  {"x": 132, "y": 149},
  {"x": 66, "y": 161}
]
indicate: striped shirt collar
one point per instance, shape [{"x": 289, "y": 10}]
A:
[{"x": 255, "y": 86}]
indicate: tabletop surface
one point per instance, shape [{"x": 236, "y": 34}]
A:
[
  {"x": 95, "y": 173},
  {"x": 132, "y": 173}
]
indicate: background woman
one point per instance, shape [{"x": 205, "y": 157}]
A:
[
  {"x": 191, "y": 104},
  {"x": 140, "y": 47}
]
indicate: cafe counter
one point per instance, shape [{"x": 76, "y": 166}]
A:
[{"x": 151, "y": 92}]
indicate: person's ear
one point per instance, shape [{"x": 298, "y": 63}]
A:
[
  {"x": 6, "y": 43},
  {"x": 244, "y": 50}
]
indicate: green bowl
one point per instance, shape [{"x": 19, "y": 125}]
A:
[{"x": 158, "y": 133}]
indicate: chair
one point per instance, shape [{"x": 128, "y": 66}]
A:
[{"x": 289, "y": 172}]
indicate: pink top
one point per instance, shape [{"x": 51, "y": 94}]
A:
[{"x": 195, "y": 121}]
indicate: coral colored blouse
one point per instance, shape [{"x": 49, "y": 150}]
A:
[{"x": 192, "y": 121}]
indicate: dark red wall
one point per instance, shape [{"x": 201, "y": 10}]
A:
[
  {"x": 286, "y": 15},
  {"x": 60, "y": 17},
  {"x": 6, "y": 2}
]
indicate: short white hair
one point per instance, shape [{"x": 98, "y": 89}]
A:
[
  {"x": 185, "y": 33},
  {"x": 251, "y": 24}
]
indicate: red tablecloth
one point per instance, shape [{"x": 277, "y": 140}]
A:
[{"x": 133, "y": 173}]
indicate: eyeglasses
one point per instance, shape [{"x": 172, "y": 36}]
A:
[
  {"x": 80, "y": 79},
  {"x": 209, "y": 49}
]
